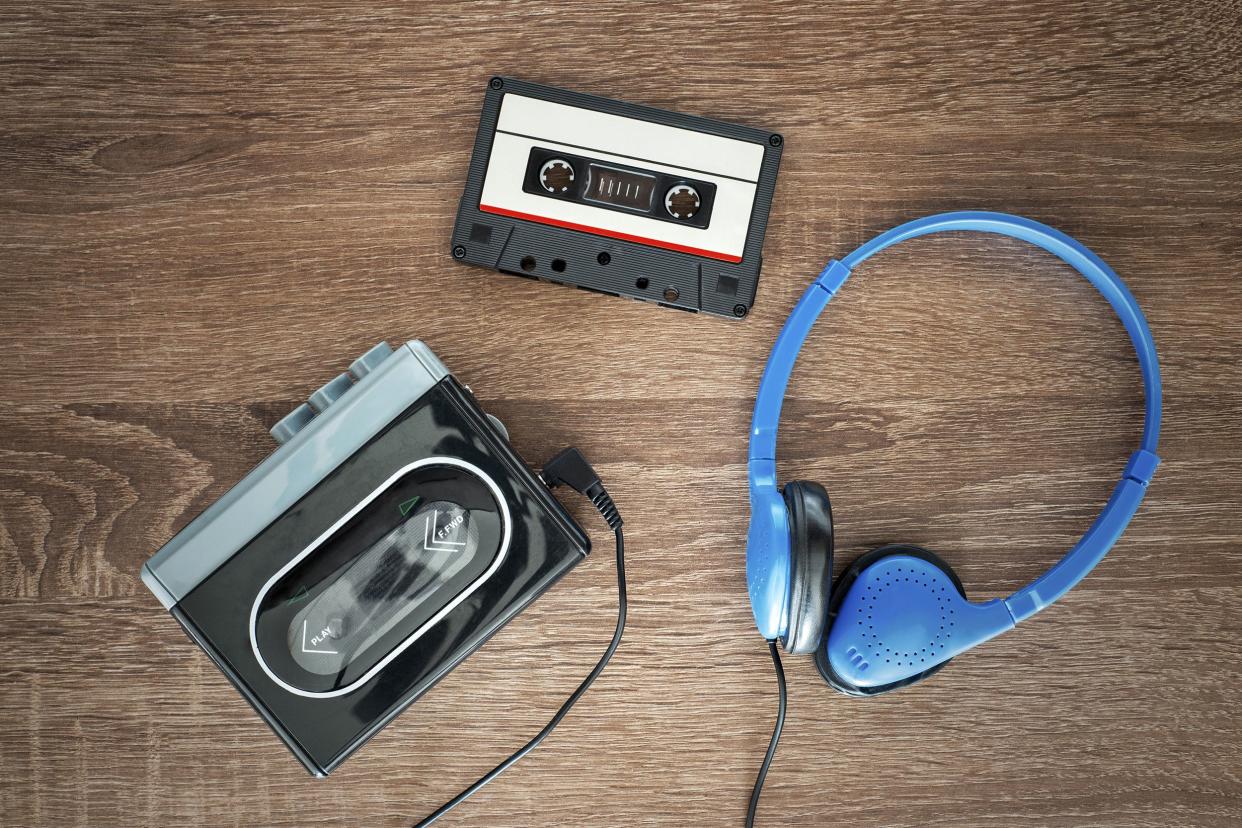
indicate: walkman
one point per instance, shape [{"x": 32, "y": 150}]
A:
[{"x": 389, "y": 535}]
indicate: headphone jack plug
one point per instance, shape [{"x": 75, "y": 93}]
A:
[{"x": 570, "y": 468}]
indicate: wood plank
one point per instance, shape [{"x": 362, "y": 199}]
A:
[{"x": 207, "y": 211}]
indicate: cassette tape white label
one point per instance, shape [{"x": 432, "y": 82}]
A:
[
  {"x": 618, "y": 198},
  {"x": 527, "y": 124}
]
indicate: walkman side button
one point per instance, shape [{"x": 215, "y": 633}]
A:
[
  {"x": 330, "y": 392},
  {"x": 367, "y": 363},
  {"x": 499, "y": 426},
  {"x": 292, "y": 423}
]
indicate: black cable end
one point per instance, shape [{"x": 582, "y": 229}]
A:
[
  {"x": 782, "y": 700},
  {"x": 570, "y": 468}
]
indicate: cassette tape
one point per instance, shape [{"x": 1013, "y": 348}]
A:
[{"x": 617, "y": 198}]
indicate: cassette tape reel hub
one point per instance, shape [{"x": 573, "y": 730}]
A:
[
  {"x": 556, "y": 175},
  {"x": 682, "y": 201}
]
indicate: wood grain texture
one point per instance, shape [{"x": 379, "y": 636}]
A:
[{"x": 207, "y": 209}]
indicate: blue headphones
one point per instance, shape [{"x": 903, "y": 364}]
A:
[{"x": 899, "y": 613}]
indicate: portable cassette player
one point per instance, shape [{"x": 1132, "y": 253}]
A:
[{"x": 390, "y": 534}]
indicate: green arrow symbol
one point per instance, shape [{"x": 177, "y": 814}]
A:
[
  {"x": 298, "y": 596},
  {"x": 409, "y": 505}
]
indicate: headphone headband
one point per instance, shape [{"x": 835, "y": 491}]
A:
[{"x": 1127, "y": 495}]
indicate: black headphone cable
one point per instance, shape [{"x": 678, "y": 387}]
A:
[
  {"x": 782, "y": 703},
  {"x": 568, "y": 468}
]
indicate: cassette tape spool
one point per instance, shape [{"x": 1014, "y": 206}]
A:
[{"x": 618, "y": 198}]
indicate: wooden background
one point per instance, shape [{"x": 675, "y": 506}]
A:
[{"x": 208, "y": 209}]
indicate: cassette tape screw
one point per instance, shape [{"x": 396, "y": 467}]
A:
[{"x": 556, "y": 175}]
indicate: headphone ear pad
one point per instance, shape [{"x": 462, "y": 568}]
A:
[
  {"x": 906, "y": 615},
  {"x": 810, "y": 549}
]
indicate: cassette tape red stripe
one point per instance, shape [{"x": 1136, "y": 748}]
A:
[{"x": 612, "y": 234}]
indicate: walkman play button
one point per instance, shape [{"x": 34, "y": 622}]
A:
[{"x": 388, "y": 536}]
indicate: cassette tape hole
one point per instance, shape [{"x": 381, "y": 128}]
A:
[
  {"x": 641, "y": 283},
  {"x": 528, "y": 263},
  {"x": 558, "y": 265}
]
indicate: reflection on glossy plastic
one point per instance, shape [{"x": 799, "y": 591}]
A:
[
  {"x": 383, "y": 586},
  {"x": 380, "y": 577}
]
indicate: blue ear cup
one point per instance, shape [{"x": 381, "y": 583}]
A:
[
  {"x": 810, "y": 550},
  {"x": 861, "y": 616},
  {"x": 897, "y": 616}
]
